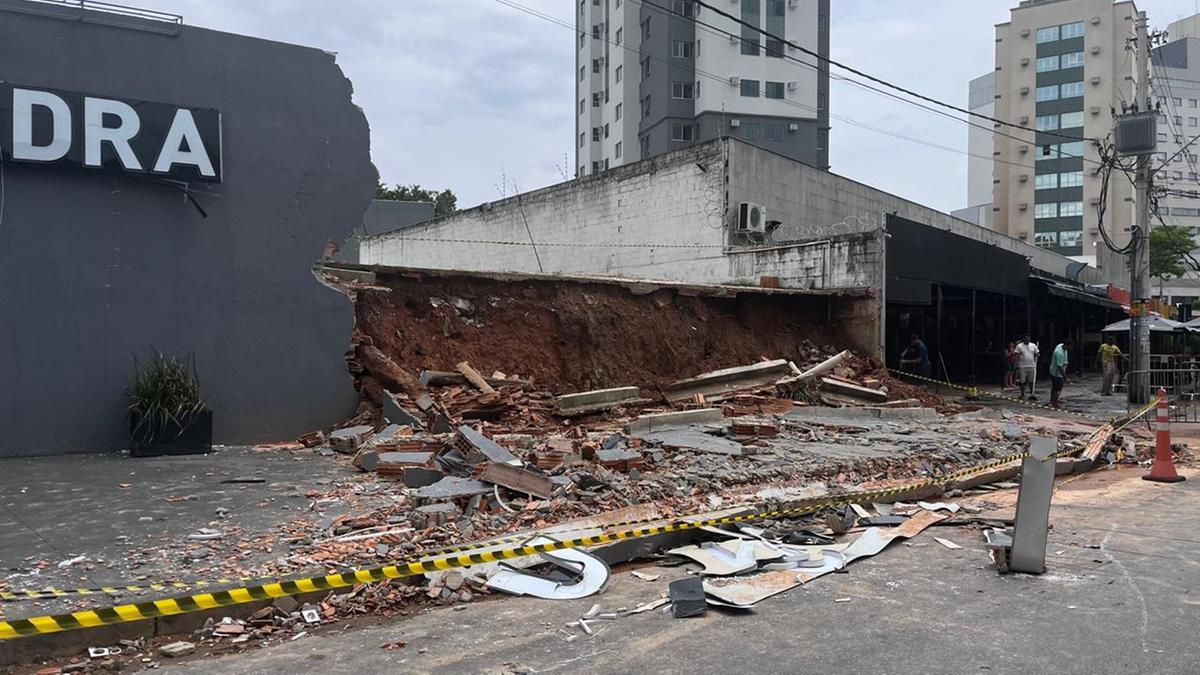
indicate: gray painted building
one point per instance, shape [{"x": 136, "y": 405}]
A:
[
  {"x": 98, "y": 265},
  {"x": 654, "y": 77}
]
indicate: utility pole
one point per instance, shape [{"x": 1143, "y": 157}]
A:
[{"x": 1139, "y": 254}]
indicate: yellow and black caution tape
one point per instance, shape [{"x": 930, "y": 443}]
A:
[
  {"x": 977, "y": 392},
  {"x": 14, "y": 628}
]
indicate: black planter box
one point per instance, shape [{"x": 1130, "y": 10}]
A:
[{"x": 194, "y": 438}]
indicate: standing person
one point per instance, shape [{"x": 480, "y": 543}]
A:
[
  {"x": 1058, "y": 370},
  {"x": 915, "y": 359},
  {"x": 1109, "y": 353},
  {"x": 1010, "y": 366},
  {"x": 1027, "y": 354}
]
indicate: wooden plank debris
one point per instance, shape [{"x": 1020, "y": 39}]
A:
[{"x": 474, "y": 377}]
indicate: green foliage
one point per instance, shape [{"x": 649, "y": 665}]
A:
[
  {"x": 444, "y": 201},
  {"x": 1169, "y": 246},
  {"x": 164, "y": 390}
]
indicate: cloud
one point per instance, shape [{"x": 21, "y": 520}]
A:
[{"x": 459, "y": 94}]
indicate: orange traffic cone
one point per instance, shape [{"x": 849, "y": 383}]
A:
[{"x": 1163, "y": 470}]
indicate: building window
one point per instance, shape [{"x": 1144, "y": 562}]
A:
[
  {"x": 1072, "y": 149},
  {"x": 582, "y": 73},
  {"x": 1072, "y": 60},
  {"x": 582, "y": 105},
  {"x": 1045, "y": 181},
  {"x": 1066, "y": 209},
  {"x": 617, "y": 150},
  {"x": 606, "y": 129},
  {"x": 1070, "y": 179},
  {"x": 618, "y": 73},
  {"x": 1191, "y": 121},
  {"x": 618, "y": 113},
  {"x": 1177, "y": 175},
  {"x": 1178, "y": 101},
  {"x": 1191, "y": 158},
  {"x": 773, "y": 132},
  {"x": 596, "y": 32},
  {"x": 681, "y": 90},
  {"x": 774, "y": 48},
  {"x": 1045, "y": 239},
  {"x": 1191, "y": 175},
  {"x": 646, "y": 69},
  {"x": 606, "y": 94},
  {"x": 1071, "y": 30},
  {"x": 595, "y": 167},
  {"x": 645, "y": 107},
  {"x": 582, "y": 40},
  {"x": 1070, "y": 239},
  {"x": 683, "y": 7},
  {"x": 1071, "y": 120},
  {"x": 1162, "y": 137},
  {"x": 595, "y": 134},
  {"x": 750, "y": 131},
  {"x": 750, "y": 88},
  {"x": 645, "y": 143},
  {"x": 1049, "y": 93},
  {"x": 1179, "y": 120},
  {"x": 773, "y": 90},
  {"x": 1047, "y": 122},
  {"x": 683, "y": 132},
  {"x": 1071, "y": 90},
  {"x": 582, "y": 170},
  {"x": 681, "y": 49},
  {"x": 606, "y": 164},
  {"x": 1045, "y": 210},
  {"x": 619, "y": 36},
  {"x": 646, "y": 28},
  {"x": 596, "y": 100},
  {"x": 1047, "y": 64},
  {"x": 751, "y": 10},
  {"x": 1048, "y": 34},
  {"x": 582, "y": 140}
]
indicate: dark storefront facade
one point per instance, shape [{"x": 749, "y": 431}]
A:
[
  {"x": 168, "y": 188},
  {"x": 967, "y": 300}
]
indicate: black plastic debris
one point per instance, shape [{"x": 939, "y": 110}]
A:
[{"x": 687, "y": 598}]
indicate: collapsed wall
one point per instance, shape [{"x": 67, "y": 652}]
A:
[{"x": 569, "y": 335}]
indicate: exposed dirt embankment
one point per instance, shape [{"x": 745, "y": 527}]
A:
[{"x": 568, "y": 336}]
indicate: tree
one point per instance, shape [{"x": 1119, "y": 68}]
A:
[
  {"x": 444, "y": 201},
  {"x": 1169, "y": 249}
]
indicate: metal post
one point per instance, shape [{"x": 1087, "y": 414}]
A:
[{"x": 1139, "y": 254}]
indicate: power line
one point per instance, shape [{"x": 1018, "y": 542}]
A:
[
  {"x": 717, "y": 78},
  {"x": 882, "y": 81}
]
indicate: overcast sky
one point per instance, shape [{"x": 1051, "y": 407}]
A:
[{"x": 479, "y": 97}]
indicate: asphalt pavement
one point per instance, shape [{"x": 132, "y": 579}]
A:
[{"x": 1117, "y": 596}]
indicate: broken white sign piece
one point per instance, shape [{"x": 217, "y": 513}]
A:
[
  {"x": 589, "y": 575},
  {"x": 946, "y": 542},
  {"x": 936, "y": 506}
]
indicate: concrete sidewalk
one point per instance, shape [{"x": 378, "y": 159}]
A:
[{"x": 1122, "y": 564}]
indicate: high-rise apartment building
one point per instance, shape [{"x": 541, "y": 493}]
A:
[
  {"x": 981, "y": 100},
  {"x": 655, "y": 75},
  {"x": 1175, "y": 84},
  {"x": 1062, "y": 68}
]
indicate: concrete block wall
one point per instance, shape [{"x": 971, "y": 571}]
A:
[
  {"x": 814, "y": 204},
  {"x": 613, "y": 223},
  {"x": 848, "y": 261}
]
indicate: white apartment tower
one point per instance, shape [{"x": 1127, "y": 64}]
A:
[
  {"x": 655, "y": 75},
  {"x": 1062, "y": 67}
]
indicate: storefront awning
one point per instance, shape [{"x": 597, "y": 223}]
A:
[{"x": 1071, "y": 293}]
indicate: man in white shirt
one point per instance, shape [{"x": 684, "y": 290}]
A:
[{"x": 1027, "y": 354}]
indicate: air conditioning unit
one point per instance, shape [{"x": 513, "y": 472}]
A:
[
  {"x": 793, "y": 3},
  {"x": 1024, "y": 178},
  {"x": 1023, "y": 149},
  {"x": 1024, "y": 32},
  {"x": 1025, "y": 60},
  {"x": 793, "y": 126},
  {"x": 735, "y": 81},
  {"x": 1023, "y": 235},
  {"x": 1095, "y": 80},
  {"x": 1095, "y": 110},
  {"x": 1023, "y": 206},
  {"x": 1024, "y": 91},
  {"x": 733, "y": 39},
  {"x": 1095, "y": 50},
  {"x": 735, "y": 123},
  {"x": 751, "y": 218},
  {"x": 1095, "y": 21},
  {"x": 791, "y": 86},
  {"x": 1024, "y": 119},
  {"x": 1094, "y": 201}
]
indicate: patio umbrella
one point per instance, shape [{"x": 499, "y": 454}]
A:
[{"x": 1157, "y": 325}]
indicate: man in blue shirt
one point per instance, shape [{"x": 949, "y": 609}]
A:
[
  {"x": 1058, "y": 370},
  {"x": 915, "y": 359}
]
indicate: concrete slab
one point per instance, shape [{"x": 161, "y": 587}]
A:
[
  {"x": 727, "y": 380},
  {"x": 675, "y": 419}
]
